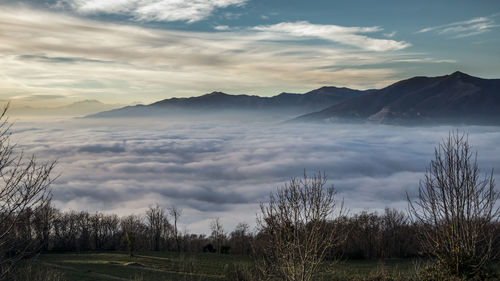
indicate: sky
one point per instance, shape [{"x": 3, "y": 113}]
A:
[{"x": 55, "y": 52}]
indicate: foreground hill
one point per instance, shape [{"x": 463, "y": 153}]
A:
[
  {"x": 218, "y": 103},
  {"x": 454, "y": 98}
]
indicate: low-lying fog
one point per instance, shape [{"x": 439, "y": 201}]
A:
[{"x": 225, "y": 169}]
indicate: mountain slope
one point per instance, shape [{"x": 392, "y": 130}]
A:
[
  {"x": 217, "y": 103},
  {"x": 454, "y": 98}
]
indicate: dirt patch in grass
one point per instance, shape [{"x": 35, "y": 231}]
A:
[{"x": 132, "y": 263}]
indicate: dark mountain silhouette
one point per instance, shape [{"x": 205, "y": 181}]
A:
[
  {"x": 454, "y": 98},
  {"x": 217, "y": 103}
]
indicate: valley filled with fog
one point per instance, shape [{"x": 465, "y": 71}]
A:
[{"x": 225, "y": 169}]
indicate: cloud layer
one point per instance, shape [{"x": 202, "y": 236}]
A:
[
  {"x": 351, "y": 36},
  {"x": 53, "y": 54},
  {"x": 226, "y": 169},
  {"x": 152, "y": 10},
  {"x": 466, "y": 28}
]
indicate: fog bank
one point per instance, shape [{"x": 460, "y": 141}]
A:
[{"x": 225, "y": 169}]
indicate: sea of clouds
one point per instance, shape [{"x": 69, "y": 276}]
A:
[{"x": 225, "y": 169}]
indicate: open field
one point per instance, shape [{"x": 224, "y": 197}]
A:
[
  {"x": 200, "y": 266},
  {"x": 148, "y": 265}
]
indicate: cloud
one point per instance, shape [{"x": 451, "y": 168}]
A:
[
  {"x": 99, "y": 148},
  {"x": 232, "y": 16},
  {"x": 39, "y": 97},
  {"x": 59, "y": 59},
  {"x": 55, "y": 54},
  {"x": 351, "y": 36},
  {"x": 390, "y": 34},
  {"x": 227, "y": 168},
  {"x": 152, "y": 10},
  {"x": 426, "y": 60},
  {"x": 269, "y": 15},
  {"x": 222, "y": 27},
  {"x": 466, "y": 28}
]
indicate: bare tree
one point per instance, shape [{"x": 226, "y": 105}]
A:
[
  {"x": 131, "y": 226},
  {"x": 395, "y": 236},
  {"x": 42, "y": 221},
  {"x": 175, "y": 213},
  {"x": 299, "y": 229},
  {"x": 97, "y": 229},
  {"x": 218, "y": 235},
  {"x": 241, "y": 239},
  {"x": 24, "y": 187},
  {"x": 157, "y": 221},
  {"x": 84, "y": 227},
  {"x": 456, "y": 208}
]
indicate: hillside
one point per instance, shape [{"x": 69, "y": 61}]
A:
[{"x": 454, "y": 98}]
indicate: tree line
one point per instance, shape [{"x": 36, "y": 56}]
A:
[{"x": 371, "y": 235}]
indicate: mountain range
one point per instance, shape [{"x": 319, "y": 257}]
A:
[
  {"x": 285, "y": 105},
  {"x": 454, "y": 98}
]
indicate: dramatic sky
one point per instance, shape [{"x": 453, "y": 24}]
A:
[{"x": 54, "y": 52}]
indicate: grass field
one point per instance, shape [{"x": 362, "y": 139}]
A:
[
  {"x": 174, "y": 266},
  {"x": 148, "y": 266},
  {"x": 200, "y": 266}
]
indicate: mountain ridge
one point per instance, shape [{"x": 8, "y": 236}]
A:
[
  {"x": 453, "y": 98},
  {"x": 218, "y": 103}
]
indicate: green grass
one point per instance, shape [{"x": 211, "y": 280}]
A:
[
  {"x": 347, "y": 270},
  {"x": 197, "y": 266},
  {"x": 148, "y": 265}
]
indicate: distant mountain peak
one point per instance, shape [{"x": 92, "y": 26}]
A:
[
  {"x": 461, "y": 75},
  {"x": 453, "y": 98},
  {"x": 87, "y": 102},
  {"x": 77, "y": 108},
  {"x": 216, "y": 93},
  {"x": 331, "y": 87}
]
